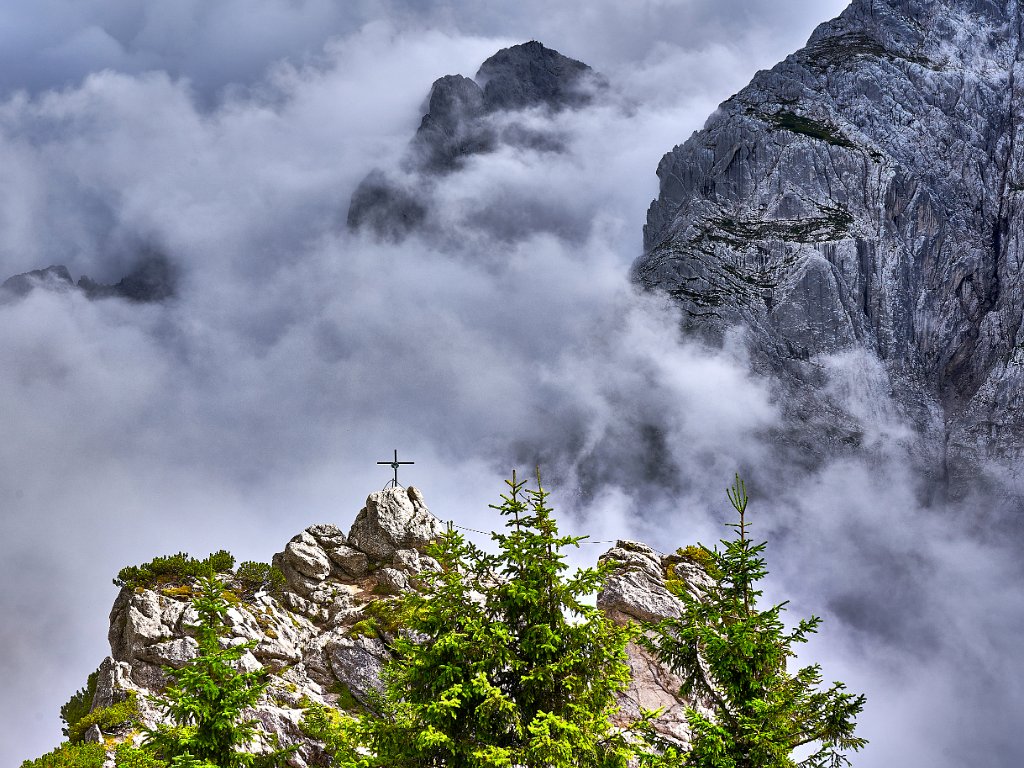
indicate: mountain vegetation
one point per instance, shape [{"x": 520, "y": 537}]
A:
[
  {"x": 734, "y": 655},
  {"x": 207, "y": 702},
  {"x": 493, "y": 659},
  {"x": 501, "y": 663}
]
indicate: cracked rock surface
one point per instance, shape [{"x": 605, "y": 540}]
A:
[{"x": 862, "y": 201}]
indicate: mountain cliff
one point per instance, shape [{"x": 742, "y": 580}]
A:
[
  {"x": 862, "y": 201},
  {"x": 324, "y": 636}
]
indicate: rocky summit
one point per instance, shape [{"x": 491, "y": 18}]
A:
[
  {"x": 466, "y": 117},
  {"x": 862, "y": 201},
  {"x": 322, "y": 640}
]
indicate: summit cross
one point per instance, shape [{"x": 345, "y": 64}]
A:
[{"x": 394, "y": 465}]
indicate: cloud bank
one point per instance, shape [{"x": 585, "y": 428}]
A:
[{"x": 230, "y": 138}]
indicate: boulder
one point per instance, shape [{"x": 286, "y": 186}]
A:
[
  {"x": 393, "y": 519},
  {"x": 636, "y": 589},
  {"x": 351, "y": 561},
  {"x": 306, "y": 556}
]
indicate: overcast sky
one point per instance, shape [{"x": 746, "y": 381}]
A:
[{"x": 230, "y": 136}]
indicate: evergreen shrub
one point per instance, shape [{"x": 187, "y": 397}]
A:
[
  {"x": 253, "y": 577},
  {"x": 107, "y": 718},
  {"x": 173, "y": 569},
  {"x": 79, "y": 704},
  {"x": 69, "y": 755}
]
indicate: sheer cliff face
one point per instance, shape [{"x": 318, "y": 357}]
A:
[{"x": 865, "y": 194}]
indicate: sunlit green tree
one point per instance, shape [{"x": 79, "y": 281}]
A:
[
  {"x": 733, "y": 656},
  {"x": 502, "y": 662},
  {"x": 208, "y": 699}
]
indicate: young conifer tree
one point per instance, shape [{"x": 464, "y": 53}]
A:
[
  {"x": 207, "y": 700},
  {"x": 733, "y": 655},
  {"x": 502, "y": 662}
]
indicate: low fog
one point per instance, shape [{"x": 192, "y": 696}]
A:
[{"x": 229, "y": 138}]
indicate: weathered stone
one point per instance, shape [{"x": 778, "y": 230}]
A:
[
  {"x": 357, "y": 662},
  {"x": 141, "y": 619},
  {"x": 327, "y": 535},
  {"x": 653, "y": 687},
  {"x": 171, "y": 653},
  {"x": 306, "y": 556},
  {"x": 351, "y": 561},
  {"x": 407, "y": 560},
  {"x": 304, "y": 635},
  {"x": 391, "y": 581},
  {"x": 862, "y": 199},
  {"x": 391, "y": 521},
  {"x": 636, "y": 589}
]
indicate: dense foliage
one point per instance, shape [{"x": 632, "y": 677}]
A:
[
  {"x": 176, "y": 574},
  {"x": 732, "y": 655},
  {"x": 107, "y": 718},
  {"x": 252, "y": 577},
  {"x": 499, "y": 662},
  {"x": 174, "y": 569},
  {"x": 79, "y": 704},
  {"x": 502, "y": 663},
  {"x": 69, "y": 755}
]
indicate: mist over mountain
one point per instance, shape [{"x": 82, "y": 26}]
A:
[
  {"x": 860, "y": 200},
  {"x": 498, "y": 109},
  {"x": 295, "y": 352}
]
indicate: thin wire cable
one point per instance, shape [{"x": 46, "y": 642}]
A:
[{"x": 584, "y": 541}]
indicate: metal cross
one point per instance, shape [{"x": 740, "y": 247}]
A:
[{"x": 394, "y": 465}]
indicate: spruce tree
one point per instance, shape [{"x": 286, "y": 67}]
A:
[
  {"x": 208, "y": 698},
  {"x": 733, "y": 656},
  {"x": 502, "y": 663}
]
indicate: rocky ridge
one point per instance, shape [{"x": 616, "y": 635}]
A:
[
  {"x": 861, "y": 201},
  {"x": 466, "y": 117},
  {"x": 323, "y": 641},
  {"x": 153, "y": 278}
]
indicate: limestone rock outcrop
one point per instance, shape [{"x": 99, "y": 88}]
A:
[
  {"x": 864, "y": 198},
  {"x": 393, "y": 522},
  {"x": 322, "y": 641},
  {"x": 306, "y": 635},
  {"x": 636, "y": 591}
]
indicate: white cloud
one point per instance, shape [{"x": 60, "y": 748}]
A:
[{"x": 296, "y": 355}]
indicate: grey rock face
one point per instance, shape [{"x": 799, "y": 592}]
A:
[
  {"x": 459, "y": 123},
  {"x": 55, "y": 278},
  {"x": 306, "y": 636},
  {"x": 635, "y": 591},
  {"x": 530, "y": 74},
  {"x": 153, "y": 278},
  {"x": 451, "y": 130},
  {"x": 393, "y": 519},
  {"x": 865, "y": 196}
]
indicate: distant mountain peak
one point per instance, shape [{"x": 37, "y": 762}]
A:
[
  {"x": 153, "y": 278},
  {"x": 457, "y": 126}
]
